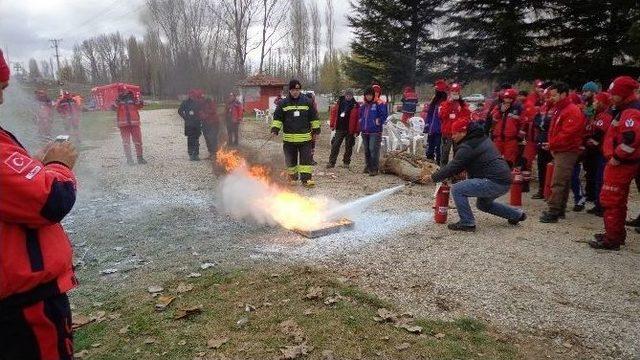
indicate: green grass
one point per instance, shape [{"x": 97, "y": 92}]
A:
[{"x": 347, "y": 327}]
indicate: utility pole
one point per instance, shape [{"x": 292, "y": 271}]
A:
[{"x": 54, "y": 44}]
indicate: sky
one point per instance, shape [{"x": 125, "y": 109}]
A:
[{"x": 27, "y": 25}]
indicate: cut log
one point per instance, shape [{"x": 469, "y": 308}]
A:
[{"x": 408, "y": 167}]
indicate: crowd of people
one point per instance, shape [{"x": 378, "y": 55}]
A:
[{"x": 67, "y": 105}]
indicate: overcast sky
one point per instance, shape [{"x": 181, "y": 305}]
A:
[{"x": 27, "y": 25}]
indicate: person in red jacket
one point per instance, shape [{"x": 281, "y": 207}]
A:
[
  {"x": 43, "y": 114},
  {"x": 528, "y": 134},
  {"x": 127, "y": 108},
  {"x": 454, "y": 108},
  {"x": 622, "y": 150},
  {"x": 343, "y": 119},
  {"x": 566, "y": 136},
  {"x": 233, "y": 117},
  {"x": 595, "y": 138},
  {"x": 210, "y": 125},
  {"x": 70, "y": 111},
  {"x": 35, "y": 252},
  {"x": 507, "y": 126},
  {"x": 409, "y": 104}
]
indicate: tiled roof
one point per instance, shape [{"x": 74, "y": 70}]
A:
[{"x": 262, "y": 80}]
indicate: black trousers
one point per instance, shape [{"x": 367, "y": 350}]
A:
[
  {"x": 544, "y": 157},
  {"x": 37, "y": 331},
  {"x": 232, "y": 132},
  {"x": 298, "y": 159},
  {"x": 210, "y": 132},
  {"x": 590, "y": 162},
  {"x": 336, "y": 143}
]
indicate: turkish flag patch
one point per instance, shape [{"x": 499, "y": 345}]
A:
[{"x": 18, "y": 162}]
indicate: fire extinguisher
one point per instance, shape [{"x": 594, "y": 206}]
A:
[
  {"x": 548, "y": 177},
  {"x": 516, "y": 187},
  {"x": 441, "y": 206}
]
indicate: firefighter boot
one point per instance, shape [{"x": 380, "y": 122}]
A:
[{"x": 141, "y": 160}]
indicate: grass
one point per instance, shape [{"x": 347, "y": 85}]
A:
[{"x": 347, "y": 327}]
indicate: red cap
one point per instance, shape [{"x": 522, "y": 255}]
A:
[
  {"x": 4, "y": 69},
  {"x": 195, "y": 93},
  {"x": 440, "y": 85},
  {"x": 459, "y": 126},
  {"x": 377, "y": 89},
  {"x": 510, "y": 94},
  {"x": 455, "y": 87},
  {"x": 623, "y": 86},
  {"x": 603, "y": 98},
  {"x": 538, "y": 83}
]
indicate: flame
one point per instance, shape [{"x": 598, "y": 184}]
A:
[{"x": 286, "y": 208}]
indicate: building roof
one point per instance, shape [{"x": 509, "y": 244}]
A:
[{"x": 262, "y": 80}]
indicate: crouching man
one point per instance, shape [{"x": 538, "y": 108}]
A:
[{"x": 489, "y": 176}]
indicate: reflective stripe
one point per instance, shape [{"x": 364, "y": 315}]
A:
[
  {"x": 305, "y": 169},
  {"x": 296, "y": 137},
  {"x": 295, "y": 107},
  {"x": 292, "y": 170},
  {"x": 626, "y": 148},
  {"x": 277, "y": 124},
  {"x": 315, "y": 124}
]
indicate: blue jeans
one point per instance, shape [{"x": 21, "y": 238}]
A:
[
  {"x": 576, "y": 186},
  {"x": 433, "y": 147},
  {"x": 371, "y": 144},
  {"x": 486, "y": 191}
]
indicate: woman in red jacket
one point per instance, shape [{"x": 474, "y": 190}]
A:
[
  {"x": 451, "y": 110},
  {"x": 507, "y": 125}
]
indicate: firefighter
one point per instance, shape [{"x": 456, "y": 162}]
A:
[
  {"x": 595, "y": 139},
  {"x": 566, "y": 137},
  {"x": 36, "y": 256},
  {"x": 210, "y": 126},
  {"x": 622, "y": 150},
  {"x": 127, "y": 108},
  {"x": 70, "y": 111},
  {"x": 506, "y": 132},
  {"x": 189, "y": 110},
  {"x": 343, "y": 119},
  {"x": 454, "y": 108},
  {"x": 43, "y": 114},
  {"x": 296, "y": 117},
  {"x": 373, "y": 115},
  {"x": 233, "y": 117},
  {"x": 409, "y": 104}
]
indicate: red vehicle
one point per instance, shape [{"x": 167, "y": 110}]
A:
[{"x": 105, "y": 96}]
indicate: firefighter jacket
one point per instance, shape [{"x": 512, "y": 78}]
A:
[
  {"x": 622, "y": 141},
  {"x": 127, "y": 109},
  {"x": 297, "y": 118},
  {"x": 35, "y": 253}
]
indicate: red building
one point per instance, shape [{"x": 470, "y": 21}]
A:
[
  {"x": 105, "y": 96},
  {"x": 259, "y": 92}
]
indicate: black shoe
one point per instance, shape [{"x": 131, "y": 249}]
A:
[
  {"x": 195, "y": 158},
  {"x": 549, "y": 218},
  {"x": 373, "y": 172},
  {"x": 522, "y": 218},
  {"x": 141, "y": 160},
  {"x": 314, "y": 163},
  {"x": 578, "y": 208},
  {"x": 365, "y": 171},
  {"x": 459, "y": 227},
  {"x": 330, "y": 166},
  {"x": 537, "y": 196},
  {"x": 599, "y": 212},
  {"x": 634, "y": 223},
  {"x": 562, "y": 215},
  {"x": 604, "y": 245},
  {"x": 345, "y": 165}
]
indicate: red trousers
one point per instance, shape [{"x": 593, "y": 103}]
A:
[
  {"x": 613, "y": 198},
  {"x": 40, "y": 331},
  {"x": 131, "y": 132},
  {"x": 530, "y": 152},
  {"x": 509, "y": 150}
]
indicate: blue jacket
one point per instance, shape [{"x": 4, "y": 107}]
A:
[
  {"x": 369, "y": 112},
  {"x": 432, "y": 123}
]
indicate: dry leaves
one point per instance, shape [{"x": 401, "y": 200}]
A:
[
  {"x": 183, "y": 313},
  {"x": 194, "y": 275},
  {"x": 183, "y": 288},
  {"x": 403, "y": 346},
  {"x": 124, "y": 330},
  {"x": 386, "y": 315},
  {"x": 149, "y": 341},
  {"x": 242, "y": 322},
  {"x": 80, "y": 321},
  {"x": 163, "y": 302},
  {"x": 414, "y": 329},
  {"x": 81, "y": 354},
  {"x": 216, "y": 343},
  {"x": 313, "y": 293},
  {"x": 153, "y": 289},
  {"x": 328, "y": 355},
  {"x": 295, "y": 352},
  {"x": 291, "y": 329},
  {"x": 439, "y": 336}
]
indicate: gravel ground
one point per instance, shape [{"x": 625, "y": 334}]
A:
[{"x": 159, "y": 221}]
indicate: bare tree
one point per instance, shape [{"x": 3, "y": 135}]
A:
[
  {"x": 45, "y": 69},
  {"x": 274, "y": 14},
  {"x": 89, "y": 51},
  {"x": 316, "y": 34},
  {"x": 299, "y": 34},
  {"x": 34, "y": 71},
  {"x": 79, "y": 75},
  {"x": 330, "y": 25},
  {"x": 238, "y": 15}
]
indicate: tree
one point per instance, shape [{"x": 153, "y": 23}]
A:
[
  {"x": 78, "y": 74},
  {"x": 274, "y": 13},
  {"x": 299, "y": 37},
  {"x": 330, "y": 25},
  {"x": 238, "y": 16},
  {"x": 316, "y": 36},
  {"x": 392, "y": 40},
  {"x": 34, "y": 71}
]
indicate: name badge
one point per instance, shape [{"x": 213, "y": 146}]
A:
[
  {"x": 342, "y": 114},
  {"x": 191, "y": 112},
  {"x": 296, "y": 113},
  {"x": 452, "y": 116}
]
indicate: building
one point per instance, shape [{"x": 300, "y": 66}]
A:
[{"x": 260, "y": 91}]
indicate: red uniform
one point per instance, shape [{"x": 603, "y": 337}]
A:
[
  {"x": 528, "y": 131},
  {"x": 506, "y": 131},
  {"x": 450, "y": 111},
  {"x": 128, "y": 121}
]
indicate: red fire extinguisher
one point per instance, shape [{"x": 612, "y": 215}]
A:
[
  {"x": 441, "y": 206},
  {"x": 516, "y": 187},
  {"x": 548, "y": 177}
]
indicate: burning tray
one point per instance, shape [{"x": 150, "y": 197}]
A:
[{"x": 327, "y": 229}]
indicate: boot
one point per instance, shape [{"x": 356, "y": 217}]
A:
[
  {"x": 549, "y": 218},
  {"x": 602, "y": 243},
  {"x": 129, "y": 160},
  {"x": 597, "y": 211},
  {"x": 634, "y": 223},
  {"x": 537, "y": 196},
  {"x": 330, "y": 166},
  {"x": 141, "y": 160},
  {"x": 459, "y": 227},
  {"x": 522, "y": 218},
  {"x": 308, "y": 183}
]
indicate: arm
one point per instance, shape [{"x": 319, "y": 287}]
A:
[
  {"x": 630, "y": 131},
  {"x": 315, "y": 119},
  {"x": 383, "y": 114},
  {"x": 278, "y": 117},
  {"x": 182, "y": 110},
  {"x": 456, "y": 166}
]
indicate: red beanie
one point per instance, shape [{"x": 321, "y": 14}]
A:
[
  {"x": 455, "y": 87},
  {"x": 623, "y": 86},
  {"x": 441, "y": 85},
  {"x": 4, "y": 69},
  {"x": 603, "y": 98},
  {"x": 510, "y": 94},
  {"x": 459, "y": 126}
]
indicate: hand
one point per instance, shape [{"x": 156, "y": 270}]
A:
[
  {"x": 614, "y": 162},
  {"x": 62, "y": 152},
  {"x": 545, "y": 146},
  {"x": 377, "y": 122},
  {"x": 275, "y": 131}
]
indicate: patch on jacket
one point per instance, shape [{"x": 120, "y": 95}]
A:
[{"x": 18, "y": 162}]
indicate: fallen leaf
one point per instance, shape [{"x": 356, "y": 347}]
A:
[
  {"x": 194, "y": 275},
  {"x": 332, "y": 300},
  {"x": 385, "y": 338},
  {"x": 567, "y": 345},
  {"x": 182, "y": 342},
  {"x": 186, "y": 312},
  {"x": 124, "y": 330},
  {"x": 183, "y": 288},
  {"x": 108, "y": 271},
  {"x": 96, "y": 345},
  {"x": 249, "y": 308},
  {"x": 309, "y": 312},
  {"x": 378, "y": 319},
  {"x": 155, "y": 289},
  {"x": 216, "y": 343},
  {"x": 414, "y": 329},
  {"x": 207, "y": 265},
  {"x": 149, "y": 341},
  {"x": 99, "y": 316},
  {"x": 97, "y": 304},
  {"x": 439, "y": 336},
  {"x": 242, "y": 322},
  {"x": 163, "y": 302},
  {"x": 81, "y": 354},
  {"x": 294, "y": 352},
  {"x": 291, "y": 329},
  {"x": 267, "y": 304},
  {"x": 386, "y": 315},
  {"x": 114, "y": 316},
  {"x": 403, "y": 346},
  {"x": 313, "y": 293},
  {"x": 79, "y": 321}
]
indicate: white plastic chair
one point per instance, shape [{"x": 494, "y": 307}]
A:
[
  {"x": 417, "y": 127},
  {"x": 260, "y": 115}
]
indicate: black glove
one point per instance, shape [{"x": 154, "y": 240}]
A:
[{"x": 275, "y": 131}]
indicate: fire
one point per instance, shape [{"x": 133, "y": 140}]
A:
[{"x": 286, "y": 208}]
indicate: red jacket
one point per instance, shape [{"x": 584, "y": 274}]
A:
[
  {"x": 622, "y": 140},
  {"x": 128, "y": 112},
  {"x": 528, "y": 116},
  {"x": 68, "y": 108},
  {"x": 233, "y": 111},
  {"x": 567, "y": 129},
  {"x": 354, "y": 123},
  {"x": 597, "y": 130},
  {"x": 35, "y": 253},
  {"x": 450, "y": 111},
  {"x": 507, "y": 125},
  {"x": 209, "y": 112}
]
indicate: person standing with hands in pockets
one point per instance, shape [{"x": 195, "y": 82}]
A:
[{"x": 373, "y": 115}]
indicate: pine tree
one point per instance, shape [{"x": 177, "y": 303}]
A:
[{"x": 392, "y": 41}]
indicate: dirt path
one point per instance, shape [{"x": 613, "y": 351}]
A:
[{"x": 160, "y": 220}]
